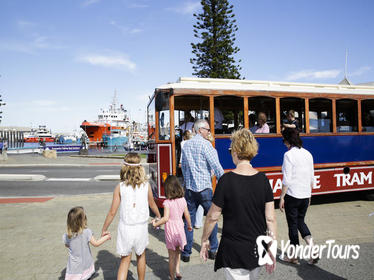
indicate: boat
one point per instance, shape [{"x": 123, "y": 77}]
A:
[
  {"x": 111, "y": 126},
  {"x": 42, "y": 134},
  {"x": 116, "y": 138}
]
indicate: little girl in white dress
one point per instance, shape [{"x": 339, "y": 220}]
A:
[{"x": 133, "y": 195}]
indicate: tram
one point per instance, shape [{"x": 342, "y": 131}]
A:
[{"x": 336, "y": 124}]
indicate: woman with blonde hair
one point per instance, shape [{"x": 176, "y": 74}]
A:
[
  {"x": 133, "y": 195},
  {"x": 245, "y": 198}
]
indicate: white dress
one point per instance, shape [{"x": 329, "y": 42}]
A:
[{"x": 133, "y": 222}]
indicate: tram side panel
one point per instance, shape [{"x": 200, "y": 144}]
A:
[
  {"x": 159, "y": 170},
  {"x": 345, "y": 151}
]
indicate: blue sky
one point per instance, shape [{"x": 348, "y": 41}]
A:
[{"x": 61, "y": 61}]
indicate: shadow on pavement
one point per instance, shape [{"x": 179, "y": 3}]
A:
[
  {"x": 109, "y": 264},
  {"x": 62, "y": 276},
  {"x": 309, "y": 272},
  {"x": 158, "y": 264}
]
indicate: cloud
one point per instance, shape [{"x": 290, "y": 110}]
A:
[
  {"x": 136, "y": 30},
  {"x": 87, "y": 3},
  {"x": 17, "y": 47},
  {"x": 24, "y": 24},
  {"x": 43, "y": 103},
  {"x": 119, "y": 61},
  {"x": 124, "y": 29},
  {"x": 186, "y": 8},
  {"x": 32, "y": 46},
  {"x": 362, "y": 70},
  {"x": 312, "y": 74},
  {"x": 138, "y": 6}
]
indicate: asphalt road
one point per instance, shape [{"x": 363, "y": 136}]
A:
[
  {"x": 64, "y": 171},
  {"x": 59, "y": 181}
]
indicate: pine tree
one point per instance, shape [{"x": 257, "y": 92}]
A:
[{"x": 214, "y": 54}]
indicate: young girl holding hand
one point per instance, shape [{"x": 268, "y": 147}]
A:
[
  {"x": 133, "y": 195},
  {"x": 174, "y": 207},
  {"x": 80, "y": 264}
]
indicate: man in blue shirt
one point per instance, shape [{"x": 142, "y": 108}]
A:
[{"x": 198, "y": 161}]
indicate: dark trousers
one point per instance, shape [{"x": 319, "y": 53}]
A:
[{"x": 295, "y": 209}]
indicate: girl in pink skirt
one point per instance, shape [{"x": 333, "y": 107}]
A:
[{"x": 174, "y": 207}]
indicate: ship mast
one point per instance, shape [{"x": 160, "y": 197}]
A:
[{"x": 114, "y": 102}]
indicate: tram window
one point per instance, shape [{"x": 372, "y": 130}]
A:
[
  {"x": 164, "y": 125},
  {"x": 162, "y": 106},
  {"x": 346, "y": 115},
  {"x": 320, "y": 112},
  {"x": 261, "y": 108},
  {"x": 151, "y": 120},
  {"x": 367, "y": 109},
  {"x": 294, "y": 107},
  {"x": 228, "y": 114},
  {"x": 187, "y": 109}
]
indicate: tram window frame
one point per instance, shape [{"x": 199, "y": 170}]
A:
[
  {"x": 291, "y": 103},
  {"x": 163, "y": 109},
  {"x": 266, "y": 105},
  {"x": 231, "y": 108},
  {"x": 151, "y": 119},
  {"x": 367, "y": 115},
  {"x": 347, "y": 115},
  {"x": 322, "y": 109}
]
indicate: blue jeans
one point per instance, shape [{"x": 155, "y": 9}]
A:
[{"x": 194, "y": 199}]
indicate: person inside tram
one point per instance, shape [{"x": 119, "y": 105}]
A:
[
  {"x": 368, "y": 122},
  {"x": 218, "y": 120},
  {"x": 291, "y": 122},
  {"x": 188, "y": 122},
  {"x": 262, "y": 126},
  {"x": 252, "y": 121}
]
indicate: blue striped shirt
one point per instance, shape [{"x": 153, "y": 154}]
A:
[{"x": 199, "y": 158}]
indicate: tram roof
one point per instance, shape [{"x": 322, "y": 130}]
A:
[{"x": 240, "y": 85}]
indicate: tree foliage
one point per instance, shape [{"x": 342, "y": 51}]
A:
[{"x": 215, "y": 29}]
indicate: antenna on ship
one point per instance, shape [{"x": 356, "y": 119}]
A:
[
  {"x": 345, "y": 81},
  {"x": 114, "y": 103}
]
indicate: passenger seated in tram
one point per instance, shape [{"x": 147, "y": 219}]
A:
[
  {"x": 188, "y": 122},
  {"x": 252, "y": 121},
  {"x": 368, "y": 123},
  {"x": 291, "y": 122},
  {"x": 262, "y": 126}
]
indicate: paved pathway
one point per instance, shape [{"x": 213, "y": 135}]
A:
[{"x": 31, "y": 243}]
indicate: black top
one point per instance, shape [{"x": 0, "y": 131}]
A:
[
  {"x": 295, "y": 122},
  {"x": 242, "y": 199}
]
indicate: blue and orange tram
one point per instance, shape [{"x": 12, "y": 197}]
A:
[{"x": 336, "y": 123}]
